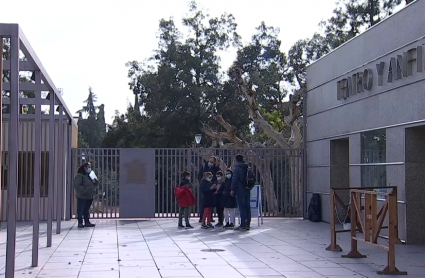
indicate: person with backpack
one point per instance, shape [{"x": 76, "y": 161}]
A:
[
  {"x": 210, "y": 166},
  {"x": 229, "y": 202},
  {"x": 242, "y": 183},
  {"x": 184, "y": 195}
]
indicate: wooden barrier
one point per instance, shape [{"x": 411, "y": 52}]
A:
[
  {"x": 337, "y": 202},
  {"x": 371, "y": 223}
]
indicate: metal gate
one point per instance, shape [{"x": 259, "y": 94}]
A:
[
  {"x": 105, "y": 163},
  {"x": 278, "y": 171}
]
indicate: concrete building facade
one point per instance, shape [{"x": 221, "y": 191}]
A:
[{"x": 366, "y": 119}]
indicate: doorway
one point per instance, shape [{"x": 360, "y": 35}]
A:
[
  {"x": 415, "y": 184},
  {"x": 340, "y": 166}
]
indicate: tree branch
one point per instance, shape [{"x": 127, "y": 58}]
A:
[
  {"x": 230, "y": 133},
  {"x": 246, "y": 89}
]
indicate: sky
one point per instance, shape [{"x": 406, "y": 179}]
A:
[{"x": 84, "y": 43}]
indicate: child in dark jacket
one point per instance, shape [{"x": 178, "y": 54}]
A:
[
  {"x": 229, "y": 202},
  {"x": 184, "y": 194},
  {"x": 207, "y": 189}
]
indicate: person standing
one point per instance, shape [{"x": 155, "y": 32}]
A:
[
  {"x": 184, "y": 195},
  {"x": 229, "y": 202},
  {"x": 208, "y": 189},
  {"x": 239, "y": 188},
  {"x": 220, "y": 183},
  {"x": 84, "y": 187},
  {"x": 210, "y": 166}
]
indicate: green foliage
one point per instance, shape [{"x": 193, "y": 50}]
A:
[
  {"x": 351, "y": 17},
  {"x": 182, "y": 87},
  {"x": 91, "y": 123}
]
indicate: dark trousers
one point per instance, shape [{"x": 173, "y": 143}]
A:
[
  {"x": 83, "y": 210},
  {"x": 201, "y": 210},
  {"x": 220, "y": 209},
  {"x": 184, "y": 212},
  {"x": 243, "y": 198}
]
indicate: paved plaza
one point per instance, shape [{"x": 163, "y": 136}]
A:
[{"x": 156, "y": 248}]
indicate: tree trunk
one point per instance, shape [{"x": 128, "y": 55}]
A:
[
  {"x": 295, "y": 164},
  {"x": 263, "y": 167}
]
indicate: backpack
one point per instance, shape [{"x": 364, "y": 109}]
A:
[
  {"x": 250, "y": 179},
  {"x": 314, "y": 209}
]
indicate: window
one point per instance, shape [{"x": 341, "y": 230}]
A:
[
  {"x": 373, "y": 152},
  {"x": 26, "y": 173}
]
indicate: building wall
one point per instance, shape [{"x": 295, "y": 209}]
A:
[{"x": 393, "y": 106}]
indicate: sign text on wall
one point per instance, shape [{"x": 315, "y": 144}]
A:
[{"x": 399, "y": 67}]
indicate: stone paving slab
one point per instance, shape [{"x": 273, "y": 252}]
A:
[{"x": 289, "y": 248}]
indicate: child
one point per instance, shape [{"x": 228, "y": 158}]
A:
[
  {"x": 219, "y": 197},
  {"x": 229, "y": 202},
  {"x": 207, "y": 189},
  {"x": 184, "y": 194}
]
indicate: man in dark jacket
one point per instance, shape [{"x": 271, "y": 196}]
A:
[
  {"x": 209, "y": 166},
  {"x": 242, "y": 194}
]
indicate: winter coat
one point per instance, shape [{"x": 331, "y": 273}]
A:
[
  {"x": 185, "y": 196},
  {"x": 228, "y": 201},
  {"x": 187, "y": 183},
  {"x": 205, "y": 168},
  {"x": 239, "y": 177},
  {"x": 208, "y": 199},
  {"x": 84, "y": 186}
]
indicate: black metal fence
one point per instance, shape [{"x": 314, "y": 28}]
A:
[{"x": 278, "y": 171}]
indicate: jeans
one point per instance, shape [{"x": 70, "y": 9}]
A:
[
  {"x": 184, "y": 212},
  {"x": 83, "y": 210},
  {"x": 243, "y": 198}
]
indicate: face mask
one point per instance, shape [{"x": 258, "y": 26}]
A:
[
  {"x": 219, "y": 178},
  {"x": 210, "y": 164},
  {"x": 209, "y": 179},
  {"x": 229, "y": 176},
  {"x": 88, "y": 170}
]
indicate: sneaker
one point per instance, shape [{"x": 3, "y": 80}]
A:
[
  {"x": 189, "y": 226},
  {"x": 219, "y": 225},
  {"x": 80, "y": 226},
  {"x": 231, "y": 225},
  {"x": 209, "y": 225},
  {"x": 90, "y": 225},
  {"x": 181, "y": 227},
  {"x": 246, "y": 228},
  {"x": 204, "y": 226},
  {"x": 227, "y": 225}
]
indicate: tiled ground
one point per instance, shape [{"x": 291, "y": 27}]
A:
[{"x": 155, "y": 248}]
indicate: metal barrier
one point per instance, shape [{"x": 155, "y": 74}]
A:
[
  {"x": 278, "y": 171},
  {"x": 370, "y": 221}
]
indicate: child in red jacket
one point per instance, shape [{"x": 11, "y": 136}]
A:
[{"x": 184, "y": 194}]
